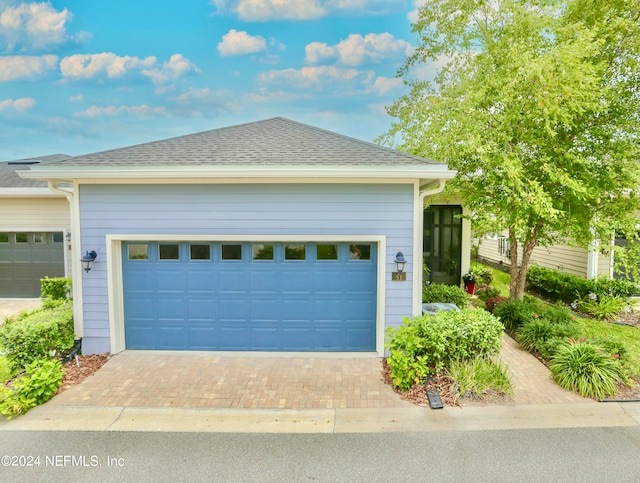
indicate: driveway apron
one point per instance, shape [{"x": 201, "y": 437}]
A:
[{"x": 168, "y": 379}]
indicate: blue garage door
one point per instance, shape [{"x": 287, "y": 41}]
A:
[{"x": 250, "y": 296}]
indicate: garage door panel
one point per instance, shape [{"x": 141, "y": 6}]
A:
[
  {"x": 296, "y": 281},
  {"x": 171, "y": 280},
  {"x": 172, "y": 335},
  {"x": 203, "y": 336},
  {"x": 171, "y": 307},
  {"x": 202, "y": 309},
  {"x": 233, "y": 280},
  {"x": 263, "y": 305},
  {"x": 265, "y": 281},
  {"x": 202, "y": 281}
]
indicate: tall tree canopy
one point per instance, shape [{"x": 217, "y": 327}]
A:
[{"x": 536, "y": 105}]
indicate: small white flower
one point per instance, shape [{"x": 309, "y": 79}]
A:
[
  {"x": 627, "y": 309},
  {"x": 593, "y": 296}
]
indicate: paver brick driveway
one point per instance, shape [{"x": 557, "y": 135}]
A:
[{"x": 221, "y": 381}]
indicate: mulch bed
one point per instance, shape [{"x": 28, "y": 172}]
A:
[{"x": 76, "y": 372}]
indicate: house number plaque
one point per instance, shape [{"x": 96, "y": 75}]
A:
[{"x": 398, "y": 276}]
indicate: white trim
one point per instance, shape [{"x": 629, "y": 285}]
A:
[
  {"x": 263, "y": 180},
  {"x": 22, "y": 229},
  {"x": 116, "y": 292},
  {"x": 76, "y": 267},
  {"x": 234, "y": 171},
  {"x": 418, "y": 221},
  {"x": 30, "y": 192}
]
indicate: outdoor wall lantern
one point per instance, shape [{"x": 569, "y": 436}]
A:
[
  {"x": 400, "y": 261},
  {"x": 88, "y": 259}
]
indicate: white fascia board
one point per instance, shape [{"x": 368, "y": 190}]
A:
[
  {"x": 202, "y": 172},
  {"x": 29, "y": 192}
]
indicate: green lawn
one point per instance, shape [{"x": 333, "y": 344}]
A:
[
  {"x": 500, "y": 279},
  {"x": 591, "y": 328}
]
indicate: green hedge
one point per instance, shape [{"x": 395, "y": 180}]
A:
[
  {"x": 429, "y": 343},
  {"x": 58, "y": 288},
  {"x": 445, "y": 294},
  {"x": 565, "y": 287},
  {"x": 40, "y": 335}
]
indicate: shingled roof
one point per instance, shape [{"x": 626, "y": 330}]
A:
[
  {"x": 9, "y": 177},
  {"x": 269, "y": 143}
]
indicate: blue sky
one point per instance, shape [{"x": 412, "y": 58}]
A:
[{"x": 79, "y": 76}]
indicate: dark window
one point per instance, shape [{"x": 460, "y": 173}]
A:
[
  {"x": 22, "y": 238},
  {"x": 327, "y": 252},
  {"x": 4, "y": 238},
  {"x": 232, "y": 252},
  {"x": 295, "y": 251},
  {"x": 58, "y": 238},
  {"x": 200, "y": 252},
  {"x": 169, "y": 252}
]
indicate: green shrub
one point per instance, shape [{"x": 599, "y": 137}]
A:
[
  {"x": 479, "y": 377},
  {"x": 39, "y": 384},
  {"x": 514, "y": 314},
  {"x": 484, "y": 274},
  {"x": 448, "y": 294},
  {"x": 565, "y": 287},
  {"x": 487, "y": 293},
  {"x": 584, "y": 368},
  {"x": 558, "y": 314},
  {"x": 40, "y": 335},
  {"x": 58, "y": 288},
  {"x": 429, "y": 343},
  {"x": 550, "y": 346},
  {"x": 601, "y": 306},
  {"x": 5, "y": 370},
  {"x": 534, "y": 333}
]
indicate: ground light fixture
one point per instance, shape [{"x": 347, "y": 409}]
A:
[
  {"x": 88, "y": 259},
  {"x": 400, "y": 262}
]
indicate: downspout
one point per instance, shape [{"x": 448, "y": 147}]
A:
[
  {"x": 76, "y": 275},
  {"x": 429, "y": 189}
]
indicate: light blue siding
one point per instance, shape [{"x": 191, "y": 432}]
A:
[{"x": 242, "y": 210}]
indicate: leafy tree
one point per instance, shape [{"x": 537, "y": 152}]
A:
[{"x": 536, "y": 105}]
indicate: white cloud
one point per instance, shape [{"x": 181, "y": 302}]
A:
[
  {"x": 78, "y": 98},
  {"x": 34, "y": 26},
  {"x": 383, "y": 85},
  {"x": 88, "y": 66},
  {"x": 21, "y": 104},
  {"x": 318, "y": 78},
  {"x": 177, "y": 66},
  {"x": 265, "y": 10},
  {"x": 413, "y": 15},
  {"x": 110, "y": 65},
  {"x": 25, "y": 67},
  {"x": 202, "y": 101},
  {"x": 133, "y": 111},
  {"x": 357, "y": 50},
  {"x": 240, "y": 43}
]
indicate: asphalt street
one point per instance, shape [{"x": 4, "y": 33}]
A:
[{"x": 540, "y": 455}]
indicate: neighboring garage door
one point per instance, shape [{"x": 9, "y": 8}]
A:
[
  {"x": 25, "y": 258},
  {"x": 250, "y": 296}
]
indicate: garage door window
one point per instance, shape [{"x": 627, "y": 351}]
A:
[
  {"x": 39, "y": 238},
  {"x": 327, "y": 252},
  {"x": 22, "y": 238},
  {"x": 295, "y": 251},
  {"x": 4, "y": 238},
  {"x": 138, "y": 251},
  {"x": 57, "y": 238},
  {"x": 262, "y": 251},
  {"x": 200, "y": 252},
  {"x": 169, "y": 252},
  {"x": 359, "y": 252},
  {"x": 231, "y": 252}
]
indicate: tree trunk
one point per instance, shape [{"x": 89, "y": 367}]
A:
[{"x": 518, "y": 274}]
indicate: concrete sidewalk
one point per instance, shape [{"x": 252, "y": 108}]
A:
[{"x": 412, "y": 419}]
